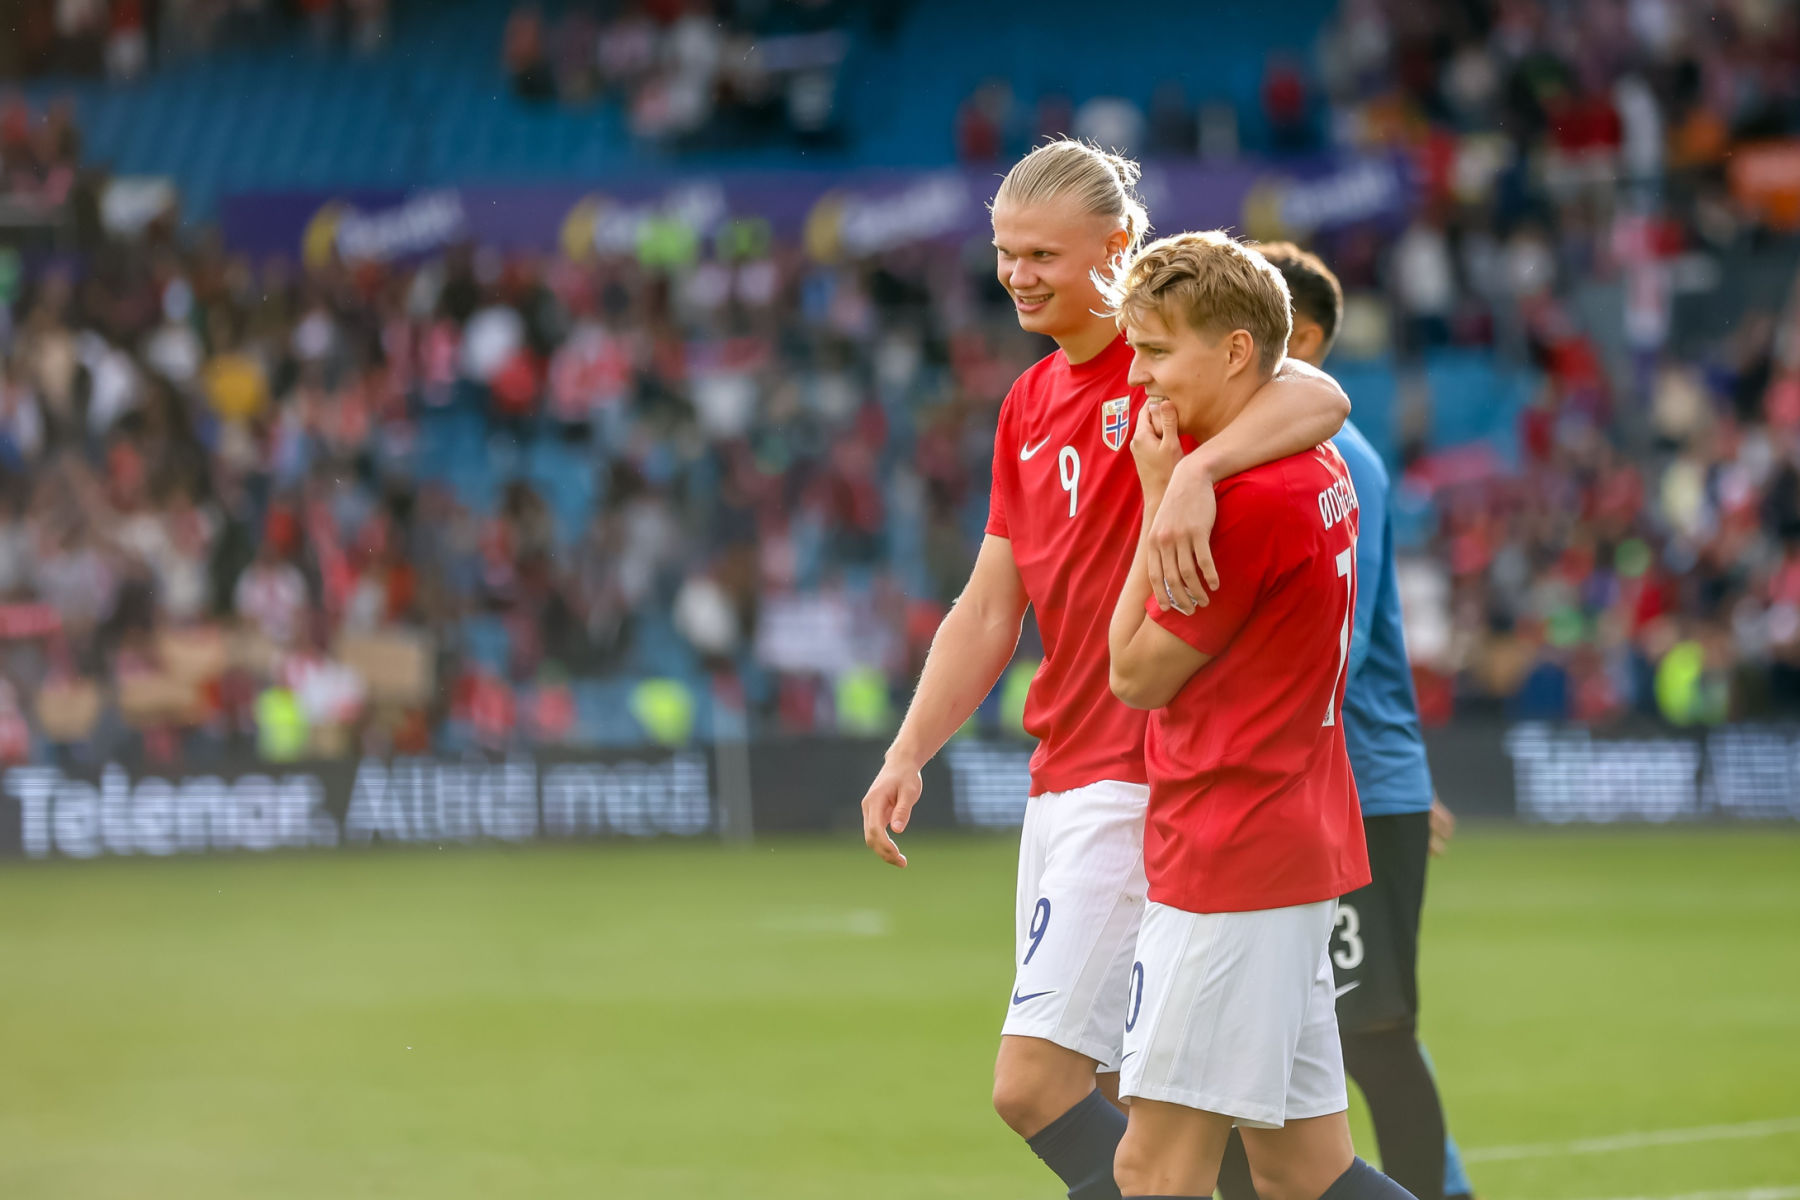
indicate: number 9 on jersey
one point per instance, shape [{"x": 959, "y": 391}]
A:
[{"x": 1068, "y": 469}]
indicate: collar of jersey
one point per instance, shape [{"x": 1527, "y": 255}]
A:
[{"x": 1102, "y": 363}]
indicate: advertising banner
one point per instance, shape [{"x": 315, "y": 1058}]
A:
[
  {"x": 833, "y": 213},
  {"x": 1538, "y": 773},
  {"x": 1563, "y": 774},
  {"x": 46, "y": 812}
]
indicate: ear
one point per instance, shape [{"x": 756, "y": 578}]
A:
[
  {"x": 1116, "y": 243},
  {"x": 1306, "y": 342},
  {"x": 1240, "y": 352}
]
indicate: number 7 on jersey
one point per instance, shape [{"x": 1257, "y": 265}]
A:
[{"x": 1346, "y": 559}]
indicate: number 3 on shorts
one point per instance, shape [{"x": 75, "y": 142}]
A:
[
  {"x": 1349, "y": 928},
  {"x": 1040, "y": 921}
]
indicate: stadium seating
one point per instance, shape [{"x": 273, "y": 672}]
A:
[{"x": 434, "y": 106}]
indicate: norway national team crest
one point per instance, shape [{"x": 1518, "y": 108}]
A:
[{"x": 1115, "y": 421}]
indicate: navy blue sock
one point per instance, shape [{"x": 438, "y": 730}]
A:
[
  {"x": 1363, "y": 1182},
  {"x": 1079, "y": 1146},
  {"x": 1389, "y": 1066}
]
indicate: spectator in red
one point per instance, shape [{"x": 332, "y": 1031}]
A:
[
  {"x": 271, "y": 595},
  {"x": 1284, "y": 101},
  {"x": 981, "y": 122},
  {"x": 127, "y": 41},
  {"x": 527, "y": 64}
]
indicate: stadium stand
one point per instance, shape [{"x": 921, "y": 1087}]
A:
[{"x": 483, "y": 499}]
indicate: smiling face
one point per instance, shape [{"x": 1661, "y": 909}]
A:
[
  {"x": 1207, "y": 319},
  {"x": 1045, "y": 256},
  {"x": 1196, "y": 372}
]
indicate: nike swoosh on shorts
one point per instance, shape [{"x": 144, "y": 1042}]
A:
[
  {"x": 1348, "y": 987},
  {"x": 1025, "y": 452},
  {"x": 1018, "y": 999}
]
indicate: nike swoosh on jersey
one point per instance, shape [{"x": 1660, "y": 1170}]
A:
[
  {"x": 1348, "y": 987},
  {"x": 1026, "y": 452},
  {"x": 1018, "y": 999}
]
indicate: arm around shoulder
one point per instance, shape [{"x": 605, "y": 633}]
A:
[{"x": 1293, "y": 412}]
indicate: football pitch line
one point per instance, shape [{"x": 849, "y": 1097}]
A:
[{"x": 1645, "y": 1139}]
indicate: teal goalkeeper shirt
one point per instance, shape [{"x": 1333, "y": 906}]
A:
[{"x": 1381, "y": 710}]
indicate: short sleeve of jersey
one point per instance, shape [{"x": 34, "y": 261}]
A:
[
  {"x": 996, "y": 519},
  {"x": 1240, "y": 550},
  {"x": 1370, "y": 478}
]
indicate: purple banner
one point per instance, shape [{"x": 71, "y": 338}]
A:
[{"x": 832, "y": 213}]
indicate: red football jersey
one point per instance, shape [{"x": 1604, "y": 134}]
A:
[
  {"x": 1252, "y": 804},
  {"x": 1066, "y": 494}
]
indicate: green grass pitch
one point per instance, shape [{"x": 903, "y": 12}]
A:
[{"x": 796, "y": 1021}]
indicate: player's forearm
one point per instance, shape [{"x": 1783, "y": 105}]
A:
[
  {"x": 1128, "y": 613},
  {"x": 1293, "y": 412},
  {"x": 968, "y": 654}
]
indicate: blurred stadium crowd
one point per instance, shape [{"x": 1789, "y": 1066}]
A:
[
  {"x": 692, "y": 75},
  {"x": 124, "y": 38},
  {"x": 745, "y": 488}
]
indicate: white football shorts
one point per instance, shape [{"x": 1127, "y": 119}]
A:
[
  {"x": 1235, "y": 1013},
  {"x": 1081, "y": 895}
]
